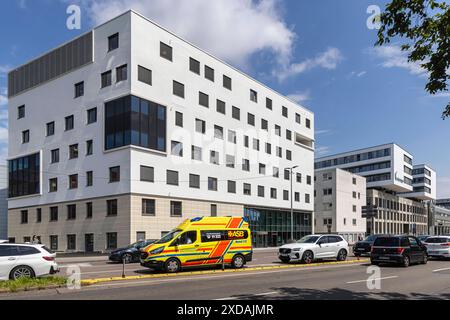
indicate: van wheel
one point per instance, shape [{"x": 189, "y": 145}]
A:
[
  {"x": 406, "y": 262},
  {"x": 238, "y": 262},
  {"x": 172, "y": 265},
  {"x": 308, "y": 257},
  {"x": 21, "y": 272},
  {"x": 342, "y": 255}
]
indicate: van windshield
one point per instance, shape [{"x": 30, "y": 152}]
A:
[
  {"x": 308, "y": 239},
  {"x": 168, "y": 237}
]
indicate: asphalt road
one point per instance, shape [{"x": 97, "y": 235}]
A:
[
  {"x": 431, "y": 281},
  {"x": 100, "y": 267}
]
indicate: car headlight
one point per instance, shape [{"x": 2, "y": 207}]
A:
[
  {"x": 297, "y": 249},
  {"x": 157, "y": 251}
]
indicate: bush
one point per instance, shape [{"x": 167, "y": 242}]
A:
[{"x": 26, "y": 283}]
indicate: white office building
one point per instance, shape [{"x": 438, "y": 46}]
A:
[
  {"x": 339, "y": 197},
  {"x": 395, "y": 187},
  {"x": 126, "y": 131},
  {"x": 3, "y": 202}
]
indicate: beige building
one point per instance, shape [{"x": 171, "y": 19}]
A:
[{"x": 338, "y": 202}]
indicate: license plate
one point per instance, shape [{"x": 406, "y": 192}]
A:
[
  {"x": 284, "y": 254},
  {"x": 360, "y": 249}
]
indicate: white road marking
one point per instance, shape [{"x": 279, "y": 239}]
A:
[
  {"x": 439, "y": 270},
  {"x": 250, "y": 295},
  {"x": 384, "y": 278}
]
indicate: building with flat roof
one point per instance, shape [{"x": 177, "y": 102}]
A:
[
  {"x": 396, "y": 189},
  {"x": 127, "y": 130},
  {"x": 445, "y": 203},
  {"x": 439, "y": 220},
  {"x": 339, "y": 197}
]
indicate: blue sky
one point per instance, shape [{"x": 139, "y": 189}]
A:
[{"x": 319, "y": 53}]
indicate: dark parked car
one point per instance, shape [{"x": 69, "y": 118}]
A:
[
  {"x": 403, "y": 250},
  {"x": 130, "y": 254},
  {"x": 365, "y": 246}
]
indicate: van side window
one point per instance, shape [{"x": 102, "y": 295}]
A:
[{"x": 189, "y": 237}]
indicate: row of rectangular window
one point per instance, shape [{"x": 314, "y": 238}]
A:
[{"x": 114, "y": 177}]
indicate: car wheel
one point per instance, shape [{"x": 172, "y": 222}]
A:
[
  {"x": 342, "y": 255},
  {"x": 172, "y": 266},
  {"x": 307, "y": 257},
  {"x": 238, "y": 262},
  {"x": 127, "y": 258},
  {"x": 21, "y": 272},
  {"x": 406, "y": 262}
]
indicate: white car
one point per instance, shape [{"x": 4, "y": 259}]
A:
[
  {"x": 438, "y": 246},
  {"x": 315, "y": 247},
  {"x": 26, "y": 261}
]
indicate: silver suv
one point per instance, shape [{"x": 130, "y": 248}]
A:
[{"x": 315, "y": 247}]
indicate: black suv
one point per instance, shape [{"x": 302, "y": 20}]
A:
[
  {"x": 364, "y": 247},
  {"x": 403, "y": 250}
]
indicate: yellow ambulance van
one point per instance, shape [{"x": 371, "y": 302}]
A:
[{"x": 201, "y": 242}]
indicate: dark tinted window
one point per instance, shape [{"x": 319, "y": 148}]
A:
[
  {"x": 227, "y": 82},
  {"x": 50, "y": 129},
  {"x": 106, "y": 78},
  {"x": 178, "y": 89},
  {"x": 92, "y": 115},
  {"x": 166, "y": 51},
  {"x": 203, "y": 99},
  {"x": 113, "y": 42},
  {"x": 6, "y": 251},
  {"x": 189, "y": 237},
  {"x": 194, "y": 65},
  {"x": 122, "y": 73},
  {"x": 437, "y": 240},
  {"x": 387, "y": 242},
  {"x": 79, "y": 89},
  {"x": 145, "y": 75},
  {"x": 26, "y": 251},
  {"x": 209, "y": 73},
  {"x": 323, "y": 240},
  {"x": 147, "y": 174},
  {"x": 24, "y": 176}
]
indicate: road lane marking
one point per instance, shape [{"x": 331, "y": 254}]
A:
[
  {"x": 211, "y": 277},
  {"x": 360, "y": 281},
  {"x": 249, "y": 296},
  {"x": 439, "y": 270}
]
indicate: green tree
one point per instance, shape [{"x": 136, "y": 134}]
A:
[{"x": 425, "y": 25}]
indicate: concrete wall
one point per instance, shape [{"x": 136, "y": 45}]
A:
[{"x": 3, "y": 202}]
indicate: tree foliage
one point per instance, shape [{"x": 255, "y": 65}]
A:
[{"x": 425, "y": 25}]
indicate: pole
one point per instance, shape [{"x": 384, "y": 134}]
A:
[
  {"x": 123, "y": 267},
  {"x": 292, "y": 209}
]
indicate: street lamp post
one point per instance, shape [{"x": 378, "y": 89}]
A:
[{"x": 292, "y": 203}]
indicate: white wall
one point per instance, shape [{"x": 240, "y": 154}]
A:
[{"x": 3, "y": 202}]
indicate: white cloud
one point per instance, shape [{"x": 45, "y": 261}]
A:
[
  {"x": 3, "y": 97},
  {"x": 322, "y": 151},
  {"x": 231, "y": 29},
  {"x": 4, "y": 69},
  {"x": 328, "y": 59},
  {"x": 392, "y": 56},
  {"x": 443, "y": 187},
  {"x": 300, "y": 96},
  {"x": 324, "y": 131}
]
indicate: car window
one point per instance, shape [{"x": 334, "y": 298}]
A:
[
  {"x": 26, "y": 251},
  {"x": 404, "y": 242},
  {"x": 189, "y": 237},
  {"x": 48, "y": 250},
  {"x": 413, "y": 241},
  {"x": 323, "y": 240},
  {"x": 308, "y": 239},
  {"x": 7, "y": 251},
  {"x": 437, "y": 240},
  {"x": 386, "y": 242}
]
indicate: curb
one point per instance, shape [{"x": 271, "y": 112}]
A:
[
  {"x": 2, "y": 291},
  {"x": 88, "y": 282}
]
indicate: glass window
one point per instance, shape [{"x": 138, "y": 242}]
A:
[
  {"x": 253, "y": 96},
  {"x": 111, "y": 240},
  {"x": 298, "y": 118},
  {"x": 50, "y": 129},
  {"x": 194, "y": 66},
  {"x": 176, "y": 208},
  {"x": 145, "y": 75},
  {"x": 214, "y": 157},
  {"x": 54, "y": 243},
  {"x": 245, "y": 165},
  {"x": 113, "y": 42},
  {"x": 114, "y": 174},
  {"x": 247, "y": 189},
  {"x": 308, "y": 123},
  {"x": 55, "y": 156},
  {"x": 177, "y": 149},
  {"x": 73, "y": 181},
  {"x": 148, "y": 207},
  {"x": 26, "y": 136},
  {"x": 273, "y": 193},
  {"x": 196, "y": 153},
  {"x": 178, "y": 119},
  {"x": 92, "y": 116},
  {"x": 251, "y": 119},
  {"x": 261, "y": 191},
  {"x": 221, "y": 108},
  {"x": 106, "y": 79},
  {"x": 24, "y": 176},
  {"x": 89, "y": 147},
  {"x": 264, "y": 124},
  {"x": 71, "y": 212},
  {"x": 111, "y": 207},
  {"x": 166, "y": 51},
  {"x": 73, "y": 151},
  {"x": 218, "y": 132},
  {"x": 212, "y": 184},
  {"x": 172, "y": 178},
  {"x": 89, "y": 178},
  {"x": 227, "y": 82},
  {"x": 24, "y": 216},
  {"x": 236, "y": 113},
  {"x": 214, "y": 210},
  {"x": 53, "y": 185},
  {"x": 121, "y": 73},
  {"x": 21, "y": 112},
  {"x": 38, "y": 215},
  {"x": 147, "y": 174},
  {"x": 178, "y": 89},
  {"x": 79, "y": 89},
  {"x": 194, "y": 181},
  {"x": 269, "y": 103},
  {"x": 203, "y": 99},
  {"x": 200, "y": 126},
  {"x": 230, "y": 161},
  {"x": 69, "y": 123},
  {"x": 231, "y": 186},
  {"x": 209, "y": 73},
  {"x": 284, "y": 112},
  {"x": 53, "y": 214},
  {"x": 232, "y": 136}
]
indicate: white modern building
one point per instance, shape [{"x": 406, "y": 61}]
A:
[
  {"x": 339, "y": 197},
  {"x": 3, "y": 202},
  {"x": 396, "y": 189},
  {"x": 126, "y": 131}
]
